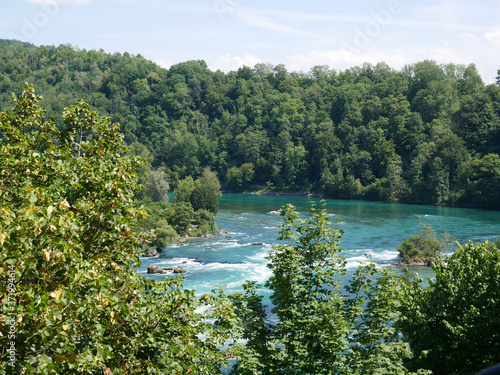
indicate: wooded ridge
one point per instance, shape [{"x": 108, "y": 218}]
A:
[{"x": 427, "y": 133}]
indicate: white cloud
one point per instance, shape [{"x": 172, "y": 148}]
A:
[
  {"x": 317, "y": 17},
  {"x": 163, "y": 5},
  {"x": 442, "y": 55},
  {"x": 466, "y": 48},
  {"x": 163, "y": 63},
  {"x": 343, "y": 59},
  {"x": 227, "y": 63},
  {"x": 493, "y": 36}
]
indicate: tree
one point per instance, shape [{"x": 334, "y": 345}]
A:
[
  {"x": 476, "y": 122},
  {"x": 452, "y": 325},
  {"x": 156, "y": 186},
  {"x": 305, "y": 292},
  {"x": 373, "y": 308},
  {"x": 69, "y": 251},
  {"x": 184, "y": 189},
  {"x": 320, "y": 328},
  {"x": 238, "y": 178},
  {"x": 484, "y": 179},
  {"x": 206, "y": 192},
  {"x": 396, "y": 183}
]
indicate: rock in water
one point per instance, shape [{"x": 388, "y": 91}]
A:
[
  {"x": 151, "y": 252},
  {"x": 155, "y": 269}
]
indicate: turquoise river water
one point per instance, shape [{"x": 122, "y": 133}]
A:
[{"x": 373, "y": 228}]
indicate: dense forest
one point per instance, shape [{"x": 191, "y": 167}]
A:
[
  {"x": 427, "y": 133},
  {"x": 73, "y": 303}
]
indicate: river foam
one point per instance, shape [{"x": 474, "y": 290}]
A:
[{"x": 372, "y": 228}]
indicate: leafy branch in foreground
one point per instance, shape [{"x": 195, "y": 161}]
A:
[
  {"x": 453, "y": 325},
  {"x": 68, "y": 251},
  {"x": 320, "y": 328}
]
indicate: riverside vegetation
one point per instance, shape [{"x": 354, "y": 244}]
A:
[
  {"x": 72, "y": 222},
  {"x": 427, "y": 133},
  {"x": 69, "y": 210},
  {"x": 76, "y": 304}
]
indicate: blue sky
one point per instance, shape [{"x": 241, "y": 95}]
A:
[{"x": 300, "y": 34}]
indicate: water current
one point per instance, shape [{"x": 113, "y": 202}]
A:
[{"x": 252, "y": 222}]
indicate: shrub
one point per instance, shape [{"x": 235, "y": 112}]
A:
[{"x": 427, "y": 245}]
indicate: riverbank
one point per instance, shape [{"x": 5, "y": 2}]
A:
[{"x": 264, "y": 190}]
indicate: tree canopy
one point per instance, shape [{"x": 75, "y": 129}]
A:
[
  {"x": 428, "y": 133},
  {"x": 73, "y": 303},
  {"x": 71, "y": 299}
]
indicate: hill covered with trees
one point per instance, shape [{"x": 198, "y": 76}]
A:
[
  {"x": 427, "y": 133},
  {"x": 73, "y": 303}
]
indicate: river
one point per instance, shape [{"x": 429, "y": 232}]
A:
[{"x": 373, "y": 228}]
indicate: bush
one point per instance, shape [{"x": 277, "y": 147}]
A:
[
  {"x": 180, "y": 215},
  {"x": 164, "y": 235},
  {"x": 418, "y": 247},
  {"x": 426, "y": 246}
]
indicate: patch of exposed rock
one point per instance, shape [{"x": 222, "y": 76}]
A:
[
  {"x": 420, "y": 262},
  {"x": 151, "y": 252},
  {"x": 158, "y": 269}
]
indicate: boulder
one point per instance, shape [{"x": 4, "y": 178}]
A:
[
  {"x": 151, "y": 252},
  {"x": 417, "y": 262},
  {"x": 155, "y": 269}
]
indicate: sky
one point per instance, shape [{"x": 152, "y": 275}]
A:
[{"x": 228, "y": 34}]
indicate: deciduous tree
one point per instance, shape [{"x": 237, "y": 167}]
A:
[
  {"x": 452, "y": 325},
  {"x": 68, "y": 249}
]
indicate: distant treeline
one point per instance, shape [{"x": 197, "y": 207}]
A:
[{"x": 427, "y": 133}]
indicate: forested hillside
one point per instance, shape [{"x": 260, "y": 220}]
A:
[{"x": 427, "y": 133}]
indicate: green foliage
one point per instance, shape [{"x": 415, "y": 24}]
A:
[
  {"x": 254, "y": 357},
  {"x": 426, "y": 246},
  {"x": 305, "y": 284},
  {"x": 320, "y": 328},
  {"x": 184, "y": 189},
  {"x": 192, "y": 213},
  {"x": 179, "y": 216},
  {"x": 202, "y": 194},
  {"x": 205, "y": 222},
  {"x": 66, "y": 231},
  {"x": 453, "y": 325},
  {"x": 416, "y": 135},
  {"x": 204, "y": 198},
  {"x": 157, "y": 224},
  {"x": 206, "y": 193},
  {"x": 373, "y": 308},
  {"x": 484, "y": 180},
  {"x": 164, "y": 234},
  {"x": 156, "y": 186},
  {"x": 238, "y": 178}
]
